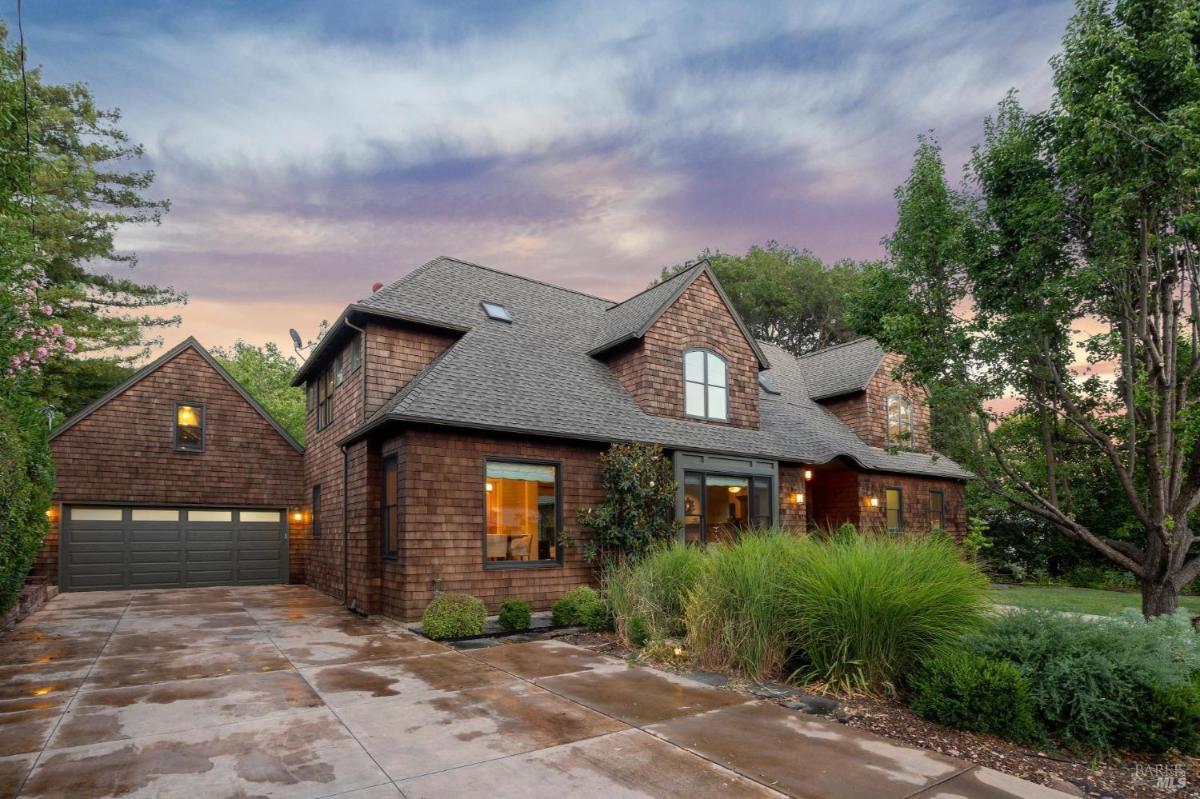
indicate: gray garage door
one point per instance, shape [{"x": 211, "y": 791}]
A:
[{"x": 109, "y": 547}]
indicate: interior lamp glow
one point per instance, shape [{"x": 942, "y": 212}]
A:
[
  {"x": 489, "y": 486},
  {"x": 734, "y": 489},
  {"x": 186, "y": 416}
]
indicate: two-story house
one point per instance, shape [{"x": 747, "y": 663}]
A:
[{"x": 455, "y": 423}]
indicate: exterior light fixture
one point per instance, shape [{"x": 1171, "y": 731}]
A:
[
  {"x": 797, "y": 498},
  {"x": 297, "y": 515},
  {"x": 871, "y": 502},
  {"x": 808, "y": 474},
  {"x": 489, "y": 486}
]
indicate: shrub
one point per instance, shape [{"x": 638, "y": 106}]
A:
[
  {"x": 1088, "y": 678},
  {"x": 1168, "y": 717},
  {"x": 970, "y": 692},
  {"x": 639, "y": 502},
  {"x": 865, "y": 609},
  {"x": 514, "y": 615},
  {"x": 454, "y": 616},
  {"x": 26, "y": 482},
  {"x": 569, "y": 609},
  {"x": 653, "y": 592},
  {"x": 636, "y": 633},
  {"x": 596, "y": 615},
  {"x": 735, "y": 614}
]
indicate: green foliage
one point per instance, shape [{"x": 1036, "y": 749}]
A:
[
  {"x": 573, "y": 605},
  {"x": 1166, "y": 718},
  {"x": 85, "y": 186},
  {"x": 969, "y": 692},
  {"x": 866, "y": 610},
  {"x": 639, "y": 502},
  {"x": 737, "y": 614},
  {"x": 597, "y": 616},
  {"x": 648, "y": 595},
  {"x": 514, "y": 615},
  {"x": 454, "y": 616},
  {"x": 1087, "y": 678},
  {"x": 26, "y": 483},
  {"x": 786, "y": 296},
  {"x": 975, "y": 542},
  {"x": 266, "y": 374}
]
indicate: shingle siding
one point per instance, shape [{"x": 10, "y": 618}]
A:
[{"x": 865, "y": 412}]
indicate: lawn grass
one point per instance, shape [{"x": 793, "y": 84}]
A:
[{"x": 1077, "y": 600}]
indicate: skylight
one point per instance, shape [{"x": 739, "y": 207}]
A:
[
  {"x": 767, "y": 385},
  {"x": 497, "y": 312}
]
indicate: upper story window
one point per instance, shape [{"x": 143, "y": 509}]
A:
[
  {"x": 705, "y": 385},
  {"x": 899, "y": 420},
  {"x": 189, "y": 427},
  {"x": 325, "y": 386},
  {"x": 321, "y": 390}
]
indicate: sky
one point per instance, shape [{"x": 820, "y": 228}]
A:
[{"x": 311, "y": 149}]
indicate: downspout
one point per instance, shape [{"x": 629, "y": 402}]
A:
[{"x": 346, "y": 477}]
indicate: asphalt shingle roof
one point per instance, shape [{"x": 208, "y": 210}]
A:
[
  {"x": 842, "y": 368},
  {"x": 535, "y": 375}
]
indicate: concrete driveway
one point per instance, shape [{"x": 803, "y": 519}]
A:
[{"x": 278, "y": 691}]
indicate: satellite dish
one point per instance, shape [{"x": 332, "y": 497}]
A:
[{"x": 296, "y": 342}]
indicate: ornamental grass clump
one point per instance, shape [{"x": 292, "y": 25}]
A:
[
  {"x": 648, "y": 595},
  {"x": 736, "y": 614},
  {"x": 864, "y": 610}
]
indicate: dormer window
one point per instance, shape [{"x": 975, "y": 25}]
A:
[
  {"x": 705, "y": 385},
  {"x": 899, "y": 420}
]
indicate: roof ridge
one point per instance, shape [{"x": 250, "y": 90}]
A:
[
  {"x": 659, "y": 284},
  {"x": 832, "y": 347},
  {"x": 519, "y": 277}
]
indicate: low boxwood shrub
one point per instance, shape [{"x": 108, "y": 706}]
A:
[
  {"x": 454, "y": 616},
  {"x": 1167, "y": 718},
  {"x": 514, "y": 615},
  {"x": 970, "y": 692},
  {"x": 1089, "y": 679},
  {"x": 865, "y": 609},
  {"x": 596, "y": 615},
  {"x": 570, "y": 609},
  {"x": 653, "y": 591}
]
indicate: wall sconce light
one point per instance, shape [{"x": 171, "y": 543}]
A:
[
  {"x": 297, "y": 515},
  {"x": 871, "y": 502},
  {"x": 51, "y": 512},
  {"x": 797, "y": 498},
  {"x": 808, "y": 474}
]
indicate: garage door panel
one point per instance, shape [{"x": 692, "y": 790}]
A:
[{"x": 146, "y": 549}]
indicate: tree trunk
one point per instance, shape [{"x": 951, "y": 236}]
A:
[{"x": 1160, "y": 597}]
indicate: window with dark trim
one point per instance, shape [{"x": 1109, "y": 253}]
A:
[
  {"x": 356, "y": 351},
  {"x": 893, "y": 509},
  {"x": 522, "y": 513},
  {"x": 937, "y": 510},
  {"x": 325, "y": 387},
  {"x": 316, "y": 512},
  {"x": 189, "y": 427},
  {"x": 899, "y": 420},
  {"x": 716, "y": 507},
  {"x": 390, "y": 516},
  {"x": 705, "y": 385}
]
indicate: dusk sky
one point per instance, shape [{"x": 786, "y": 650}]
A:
[{"x": 310, "y": 149}]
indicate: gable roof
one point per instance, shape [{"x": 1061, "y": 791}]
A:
[
  {"x": 842, "y": 368},
  {"x": 635, "y": 316},
  {"x": 536, "y": 376},
  {"x": 162, "y": 360}
]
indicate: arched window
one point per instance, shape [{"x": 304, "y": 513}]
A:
[
  {"x": 705, "y": 385},
  {"x": 899, "y": 420}
]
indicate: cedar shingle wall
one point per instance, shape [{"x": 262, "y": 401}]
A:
[
  {"x": 865, "y": 412},
  {"x": 397, "y": 354},
  {"x": 652, "y": 369},
  {"x": 124, "y": 452},
  {"x": 443, "y": 522}
]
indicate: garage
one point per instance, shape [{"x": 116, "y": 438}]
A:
[{"x": 106, "y": 547}]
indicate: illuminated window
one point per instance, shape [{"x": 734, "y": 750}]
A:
[
  {"x": 523, "y": 514},
  {"x": 899, "y": 420},
  {"x": 717, "y": 507},
  {"x": 705, "y": 385},
  {"x": 894, "y": 509},
  {"x": 937, "y": 510},
  {"x": 189, "y": 427}
]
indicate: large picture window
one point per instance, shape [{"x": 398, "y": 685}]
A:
[
  {"x": 390, "y": 515},
  {"x": 716, "y": 507},
  {"x": 899, "y": 420},
  {"x": 893, "y": 505},
  {"x": 524, "y": 519},
  {"x": 705, "y": 385}
]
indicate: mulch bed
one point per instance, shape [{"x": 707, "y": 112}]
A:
[{"x": 1121, "y": 775}]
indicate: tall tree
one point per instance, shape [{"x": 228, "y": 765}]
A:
[
  {"x": 1080, "y": 235},
  {"x": 85, "y": 183},
  {"x": 266, "y": 373},
  {"x": 786, "y": 296}
]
